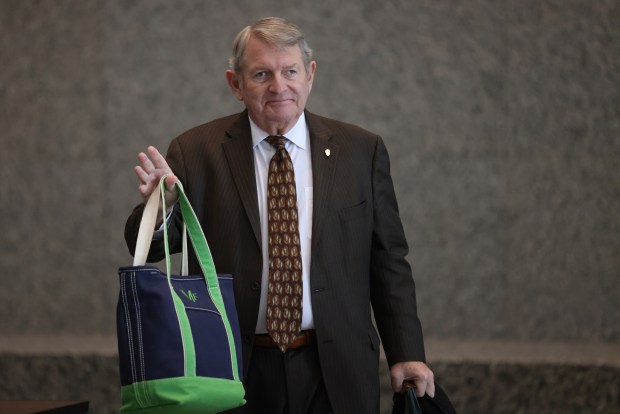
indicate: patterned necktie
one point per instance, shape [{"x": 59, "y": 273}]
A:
[{"x": 285, "y": 286}]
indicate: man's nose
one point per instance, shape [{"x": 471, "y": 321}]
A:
[{"x": 278, "y": 83}]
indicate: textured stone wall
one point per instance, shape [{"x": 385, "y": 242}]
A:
[
  {"x": 503, "y": 123},
  {"x": 502, "y": 119}
]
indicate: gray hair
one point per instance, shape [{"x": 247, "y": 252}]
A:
[{"x": 275, "y": 31}]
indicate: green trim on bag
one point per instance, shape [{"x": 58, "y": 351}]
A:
[
  {"x": 203, "y": 253},
  {"x": 205, "y": 258},
  {"x": 184, "y": 395},
  {"x": 187, "y": 337}
]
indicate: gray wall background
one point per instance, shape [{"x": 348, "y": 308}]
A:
[{"x": 502, "y": 119}]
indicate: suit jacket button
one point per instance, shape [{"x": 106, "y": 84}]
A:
[{"x": 256, "y": 286}]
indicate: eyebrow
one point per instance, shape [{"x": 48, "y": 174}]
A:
[{"x": 261, "y": 66}]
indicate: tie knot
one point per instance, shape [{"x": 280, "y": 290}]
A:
[{"x": 277, "y": 141}]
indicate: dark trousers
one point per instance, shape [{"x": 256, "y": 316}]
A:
[{"x": 285, "y": 383}]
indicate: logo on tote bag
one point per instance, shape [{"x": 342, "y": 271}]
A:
[{"x": 190, "y": 295}]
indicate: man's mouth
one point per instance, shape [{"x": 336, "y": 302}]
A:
[{"x": 277, "y": 102}]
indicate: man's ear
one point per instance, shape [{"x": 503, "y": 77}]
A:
[
  {"x": 233, "y": 82},
  {"x": 311, "y": 70}
]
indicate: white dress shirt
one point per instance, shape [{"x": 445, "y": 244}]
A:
[{"x": 298, "y": 147}]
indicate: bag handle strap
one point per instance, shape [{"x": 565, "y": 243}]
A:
[
  {"x": 146, "y": 230},
  {"x": 147, "y": 227},
  {"x": 205, "y": 259},
  {"x": 411, "y": 399},
  {"x": 191, "y": 227}
]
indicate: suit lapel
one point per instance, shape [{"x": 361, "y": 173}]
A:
[
  {"x": 324, "y": 160},
  {"x": 240, "y": 158},
  {"x": 238, "y": 152}
]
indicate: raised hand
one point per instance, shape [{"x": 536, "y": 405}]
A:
[{"x": 152, "y": 167}]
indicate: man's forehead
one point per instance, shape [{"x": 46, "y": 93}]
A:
[{"x": 259, "y": 46}]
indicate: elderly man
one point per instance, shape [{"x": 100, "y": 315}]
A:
[{"x": 301, "y": 210}]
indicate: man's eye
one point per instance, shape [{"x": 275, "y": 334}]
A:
[
  {"x": 259, "y": 76},
  {"x": 291, "y": 73}
]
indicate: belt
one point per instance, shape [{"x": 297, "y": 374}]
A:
[{"x": 303, "y": 339}]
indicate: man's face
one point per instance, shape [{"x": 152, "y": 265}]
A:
[{"x": 273, "y": 84}]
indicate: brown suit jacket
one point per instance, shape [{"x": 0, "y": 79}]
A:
[{"x": 358, "y": 246}]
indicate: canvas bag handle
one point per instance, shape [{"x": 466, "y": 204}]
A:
[
  {"x": 146, "y": 230},
  {"x": 191, "y": 227}
]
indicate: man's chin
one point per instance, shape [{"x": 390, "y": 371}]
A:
[{"x": 283, "y": 117}]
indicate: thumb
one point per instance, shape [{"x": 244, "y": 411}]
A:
[
  {"x": 171, "y": 191},
  {"x": 170, "y": 182},
  {"x": 397, "y": 377}
]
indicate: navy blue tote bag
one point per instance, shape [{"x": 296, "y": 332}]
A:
[{"x": 178, "y": 336}]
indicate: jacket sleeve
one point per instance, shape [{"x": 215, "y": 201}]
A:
[{"x": 392, "y": 287}]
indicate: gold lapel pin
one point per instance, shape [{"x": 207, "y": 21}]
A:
[{"x": 327, "y": 152}]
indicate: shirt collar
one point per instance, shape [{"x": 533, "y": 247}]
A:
[{"x": 297, "y": 134}]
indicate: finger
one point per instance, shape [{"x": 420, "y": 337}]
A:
[
  {"x": 158, "y": 160},
  {"x": 144, "y": 187},
  {"x": 145, "y": 162},
  {"x": 420, "y": 387},
  {"x": 397, "y": 378},
  {"x": 142, "y": 175},
  {"x": 148, "y": 182},
  {"x": 430, "y": 389},
  {"x": 425, "y": 383}
]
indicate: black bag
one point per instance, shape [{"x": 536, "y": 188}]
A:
[{"x": 408, "y": 403}]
